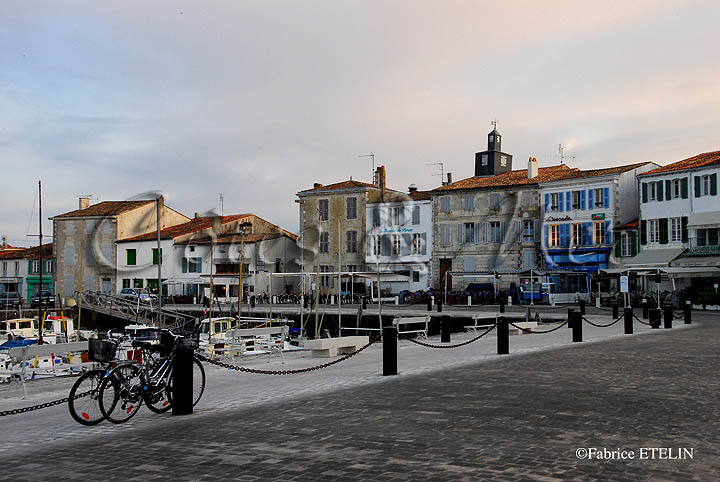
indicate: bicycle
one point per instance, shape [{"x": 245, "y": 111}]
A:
[{"x": 124, "y": 389}]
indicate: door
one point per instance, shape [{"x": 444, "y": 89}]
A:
[
  {"x": 445, "y": 268},
  {"x": 106, "y": 286}
]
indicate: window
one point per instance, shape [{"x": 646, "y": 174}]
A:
[
  {"x": 503, "y": 161},
  {"x": 352, "y": 241},
  {"x": 48, "y": 266},
  {"x": 469, "y": 202},
  {"x": 327, "y": 280},
  {"x": 445, "y": 204},
  {"x": 653, "y": 191},
  {"x": 484, "y": 160},
  {"x": 192, "y": 249},
  {"x": 598, "y": 196},
  {"x": 351, "y": 208},
  {"x": 376, "y": 244},
  {"x": 496, "y": 234},
  {"x": 675, "y": 228},
  {"x": 445, "y": 234},
  {"x": 469, "y": 237},
  {"x": 416, "y": 276},
  {"x": 707, "y": 237},
  {"x": 137, "y": 283},
  {"x": 323, "y": 213},
  {"x": 325, "y": 242},
  {"x": 4, "y": 268},
  {"x": 17, "y": 268},
  {"x": 155, "y": 256},
  {"x": 706, "y": 185},
  {"x": 126, "y": 283},
  {"x": 576, "y": 199},
  {"x": 528, "y": 199},
  {"x": 195, "y": 265},
  {"x": 554, "y": 235},
  {"x": 398, "y": 216},
  {"x": 600, "y": 232},
  {"x": 554, "y": 201},
  {"x": 396, "y": 244},
  {"x": 676, "y": 188},
  {"x": 625, "y": 244},
  {"x": 130, "y": 257},
  {"x": 576, "y": 234},
  {"x": 416, "y": 215},
  {"x": 490, "y": 138},
  {"x": 528, "y": 231},
  {"x": 653, "y": 226},
  {"x": 35, "y": 266},
  {"x": 376, "y": 217},
  {"x": 494, "y": 201},
  {"x": 417, "y": 244}
]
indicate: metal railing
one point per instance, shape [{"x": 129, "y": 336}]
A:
[{"x": 133, "y": 310}]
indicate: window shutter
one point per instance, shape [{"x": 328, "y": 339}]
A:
[
  {"x": 618, "y": 247},
  {"x": 713, "y": 184},
  {"x": 663, "y": 230},
  {"x": 547, "y": 202},
  {"x": 546, "y": 236},
  {"x": 485, "y": 233},
  {"x": 644, "y": 192},
  {"x": 478, "y": 227},
  {"x": 423, "y": 236},
  {"x": 561, "y": 201},
  {"x": 407, "y": 243},
  {"x": 184, "y": 265},
  {"x": 633, "y": 243},
  {"x": 199, "y": 265},
  {"x": 590, "y": 199},
  {"x": 606, "y": 197},
  {"x": 684, "y": 229},
  {"x": 697, "y": 186},
  {"x": 518, "y": 231},
  {"x": 460, "y": 234},
  {"x": 643, "y": 232},
  {"x": 385, "y": 245},
  {"x": 587, "y": 234},
  {"x": 536, "y": 230},
  {"x": 684, "y": 188},
  {"x": 659, "y": 190},
  {"x": 582, "y": 199},
  {"x": 502, "y": 231},
  {"x": 608, "y": 232},
  {"x": 568, "y": 201},
  {"x": 668, "y": 189}
]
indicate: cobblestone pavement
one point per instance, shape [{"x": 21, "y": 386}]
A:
[{"x": 460, "y": 414}]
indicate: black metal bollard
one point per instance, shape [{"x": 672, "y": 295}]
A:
[
  {"x": 429, "y": 304},
  {"x": 439, "y": 305},
  {"x": 687, "y": 313},
  {"x": 577, "y": 327},
  {"x": 616, "y": 311},
  {"x": 502, "y": 304},
  {"x": 305, "y": 301},
  {"x": 570, "y": 317},
  {"x": 655, "y": 318},
  {"x": 668, "y": 317},
  {"x": 364, "y": 303},
  {"x": 390, "y": 343},
  {"x": 628, "y": 320},
  {"x": 182, "y": 392},
  {"x": 252, "y": 301},
  {"x": 503, "y": 336},
  {"x": 645, "y": 308},
  {"x": 445, "y": 329},
  {"x": 582, "y": 307}
]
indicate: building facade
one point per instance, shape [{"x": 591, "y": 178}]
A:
[{"x": 20, "y": 270}]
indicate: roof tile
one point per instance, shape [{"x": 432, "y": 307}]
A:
[
  {"x": 105, "y": 208},
  {"x": 701, "y": 160}
]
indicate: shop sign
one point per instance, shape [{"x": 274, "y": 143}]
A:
[
  {"x": 624, "y": 284},
  {"x": 705, "y": 250},
  {"x": 553, "y": 218},
  {"x": 598, "y": 217}
]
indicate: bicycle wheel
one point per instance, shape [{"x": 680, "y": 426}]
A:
[
  {"x": 121, "y": 393},
  {"x": 86, "y": 409},
  {"x": 156, "y": 397},
  {"x": 198, "y": 382}
]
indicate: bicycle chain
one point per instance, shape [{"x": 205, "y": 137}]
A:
[
  {"x": 603, "y": 326},
  {"x": 279, "y": 372},
  {"x": 451, "y": 346},
  {"x": 43, "y": 405}
]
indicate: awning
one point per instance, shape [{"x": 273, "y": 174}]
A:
[
  {"x": 694, "y": 272},
  {"x": 654, "y": 258},
  {"x": 624, "y": 271},
  {"x": 384, "y": 277},
  {"x": 704, "y": 220},
  {"x": 697, "y": 261}
]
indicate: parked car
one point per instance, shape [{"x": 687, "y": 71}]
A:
[
  {"x": 134, "y": 294},
  {"x": 48, "y": 299},
  {"x": 10, "y": 299}
]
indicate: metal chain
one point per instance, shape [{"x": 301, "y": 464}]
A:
[
  {"x": 279, "y": 372},
  {"x": 641, "y": 321},
  {"x": 451, "y": 346},
  {"x": 528, "y": 330},
  {"x": 43, "y": 405},
  {"x": 603, "y": 326}
]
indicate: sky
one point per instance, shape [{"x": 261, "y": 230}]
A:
[{"x": 258, "y": 100}]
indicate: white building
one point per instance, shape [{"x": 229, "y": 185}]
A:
[{"x": 399, "y": 237}]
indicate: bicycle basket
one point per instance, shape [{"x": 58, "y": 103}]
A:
[{"x": 100, "y": 350}]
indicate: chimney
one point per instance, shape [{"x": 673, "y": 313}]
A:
[
  {"x": 532, "y": 168},
  {"x": 449, "y": 178},
  {"x": 84, "y": 202},
  {"x": 412, "y": 188},
  {"x": 380, "y": 181},
  {"x": 317, "y": 185},
  {"x": 3, "y": 244},
  {"x": 197, "y": 216}
]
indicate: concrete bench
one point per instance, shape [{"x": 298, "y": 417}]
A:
[
  {"x": 330, "y": 347},
  {"x": 420, "y": 325}
]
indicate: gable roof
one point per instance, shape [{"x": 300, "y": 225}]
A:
[
  {"x": 700, "y": 160},
  {"x": 611, "y": 170},
  {"x": 511, "y": 178},
  {"x": 33, "y": 252},
  {"x": 105, "y": 208},
  {"x": 192, "y": 226},
  {"x": 349, "y": 184}
]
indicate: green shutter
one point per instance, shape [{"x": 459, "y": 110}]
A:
[
  {"x": 659, "y": 190},
  {"x": 155, "y": 256},
  {"x": 618, "y": 245},
  {"x": 697, "y": 186},
  {"x": 668, "y": 190},
  {"x": 684, "y": 188},
  {"x": 643, "y": 232},
  {"x": 633, "y": 243},
  {"x": 713, "y": 184},
  {"x": 663, "y": 230},
  {"x": 684, "y": 229},
  {"x": 644, "y": 192},
  {"x": 130, "y": 257}
]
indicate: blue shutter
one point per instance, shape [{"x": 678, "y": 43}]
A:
[
  {"x": 582, "y": 199},
  {"x": 546, "y": 235},
  {"x": 568, "y": 201},
  {"x": 606, "y": 197},
  {"x": 608, "y": 231},
  {"x": 590, "y": 199},
  {"x": 587, "y": 234},
  {"x": 564, "y": 238},
  {"x": 547, "y": 202},
  {"x": 561, "y": 200}
]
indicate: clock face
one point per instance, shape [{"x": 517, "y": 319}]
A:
[
  {"x": 497, "y": 139},
  {"x": 490, "y": 138}
]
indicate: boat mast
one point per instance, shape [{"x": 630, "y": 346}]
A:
[{"x": 41, "y": 317}]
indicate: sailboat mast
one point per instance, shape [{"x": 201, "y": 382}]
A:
[{"x": 41, "y": 316}]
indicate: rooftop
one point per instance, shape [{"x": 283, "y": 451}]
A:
[
  {"x": 511, "y": 178},
  {"x": 349, "y": 184},
  {"x": 105, "y": 208},
  {"x": 701, "y": 160},
  {"x": 192, "y": 226},
  {"x": 17, "y": 253}
]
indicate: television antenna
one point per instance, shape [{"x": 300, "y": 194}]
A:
[
  {"x": 442, "y": 169},
  {"x": 562, "y": 155},
  {"x": 372, "y": 156}
]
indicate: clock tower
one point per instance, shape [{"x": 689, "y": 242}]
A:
[{"x": 493, "y": 161}]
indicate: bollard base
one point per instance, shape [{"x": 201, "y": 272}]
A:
[{"x": 182, "y": 391}]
